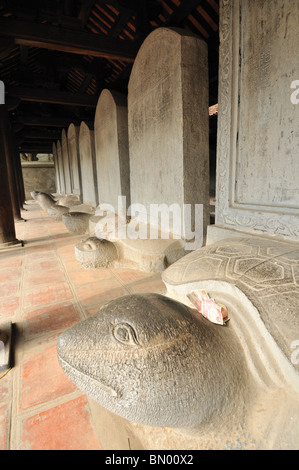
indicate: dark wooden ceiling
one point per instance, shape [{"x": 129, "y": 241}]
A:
[{"x": 56, "y": 56}]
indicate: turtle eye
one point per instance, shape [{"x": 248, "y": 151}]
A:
[{"x": 125, "y": 333}]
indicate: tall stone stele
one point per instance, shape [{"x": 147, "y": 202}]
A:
[
  {"x": 66, "y": 162},
  {"x": 74, "y": 156},
  {"x": 257, "y": 155},
  {"x": 60, "y": 168},
  {"x": 88, "y": 166},
  {"x": 56, "y": 163},
  {"x": 112, "y": 148},
  {"x": 168, "y": 100}
]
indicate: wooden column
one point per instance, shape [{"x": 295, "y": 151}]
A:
[
  {"x": 10, "y": 162},
  {"x": 7, "y": 226}
]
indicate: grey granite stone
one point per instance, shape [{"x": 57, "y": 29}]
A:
[
  {"x": 95, "y": 253},
  {"x": 76, "y": 222},
  {"x": 148, "y": 359}
]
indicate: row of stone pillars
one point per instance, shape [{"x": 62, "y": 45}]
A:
[{"x": 12, "y": 194}]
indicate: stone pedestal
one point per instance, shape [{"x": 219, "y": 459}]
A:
[{"x": 257, "y": 164}]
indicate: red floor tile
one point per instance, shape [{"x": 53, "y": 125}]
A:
[
  {"x": 86, "y": 276},
  {"x": 153, "y": 284},
  {"x": 32, "y": 279},
  {"x": 9, "y": 261},
  {"x": 49, "y": 319},
  {"x": 39, "y": 264},
  {"x": 42, "y": 379},
  {"x": 10, "y": 288},
  {"x": 9, "y": 274},
  {"x": 97, "y": 292},
  {"x": 5, "y": 386},
  {"x": 47, "y": 294},
  {"x": 4, "y": 426},
  {"x": 8, "y": 307},
  {"x": 64, "y": 427}
]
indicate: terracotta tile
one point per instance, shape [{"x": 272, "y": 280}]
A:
[
  {"x": 104, "y": 299},
  {"x": 95, "y": 292},
  {"x": 131, "y": 275},
  {"x": 8, "y": 307},
  {"x": 64, "y": 427},
  {"x": 38, "y": 264},
  {"x": 42, "y": 379},
  {"x": 47, "y": 294},
  {"x": 49, "y": 319},
  {"x": 10, "y": 274},
  {"x": 4, "y": 426},
  {"x": 10, "y": 261},
  {"x": 5, "y": 386},
  {"x": 84, "y": 276},
  {"x": 72, "y": 265},
  {"x": 8, "y": 289},
  {"x": 31, "y": 279},
  {"x": 153, "y": 284}
]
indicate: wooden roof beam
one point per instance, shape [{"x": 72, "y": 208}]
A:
[
  {"x": 43, "y": 95},
  {"x": 66, "y": 40}
]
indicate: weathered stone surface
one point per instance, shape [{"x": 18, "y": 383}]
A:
[
  {"x": 56, "y": 211},
  {"x": 257, "y": 190},
  {"x": 88, "y": 166},
  {"x": 56, "y": 163},
  {"x": 69, "y": 201},
  {"x": 95, "y": 253},
  {"x": 148, "y": 359},
  {"x": 38, "y": 176},
  {"x": 66, "y": 162},
  {"x": 45, "y": 200},
  {"x": 76, "y": 222},
  {"x": 168, "y": 124},
  {"x": 60, "y": 167},
  {"x": 112, "y": 148},
  {"x": 74, "y": 156},
  {"x": 265, "y": 270}
]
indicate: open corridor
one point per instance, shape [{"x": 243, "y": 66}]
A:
[{"x": 43, "y": 291}]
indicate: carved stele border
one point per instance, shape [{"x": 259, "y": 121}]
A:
[{"x": 256, "y": 219}]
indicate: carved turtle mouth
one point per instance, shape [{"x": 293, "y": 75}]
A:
[{"x": 72, "y": 371}]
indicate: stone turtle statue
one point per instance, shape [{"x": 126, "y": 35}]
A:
[
  {"x": 95, "y": 253},
  {"x": 150, "y": 360}
]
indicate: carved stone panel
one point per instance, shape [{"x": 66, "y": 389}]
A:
[
  {"x": 258, "y": 137},
  {"x": 60, "y": 167},
  {"x": 87, "y": 163},
  {"x": 66, "y": 162},
  {"x": 112, "y": 148},
  {"x": 73, "y": 146},
  {"x": 168, "y": 121}
]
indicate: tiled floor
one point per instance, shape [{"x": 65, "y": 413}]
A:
[{"x": 43, "y": 290}]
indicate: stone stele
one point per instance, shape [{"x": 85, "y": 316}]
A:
[
  {"x": 168, "y": 125},
  {"x": 74, "y": 155},
  {"x": 87, "y": 165},
  {"x": 257, "y": 153}
]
